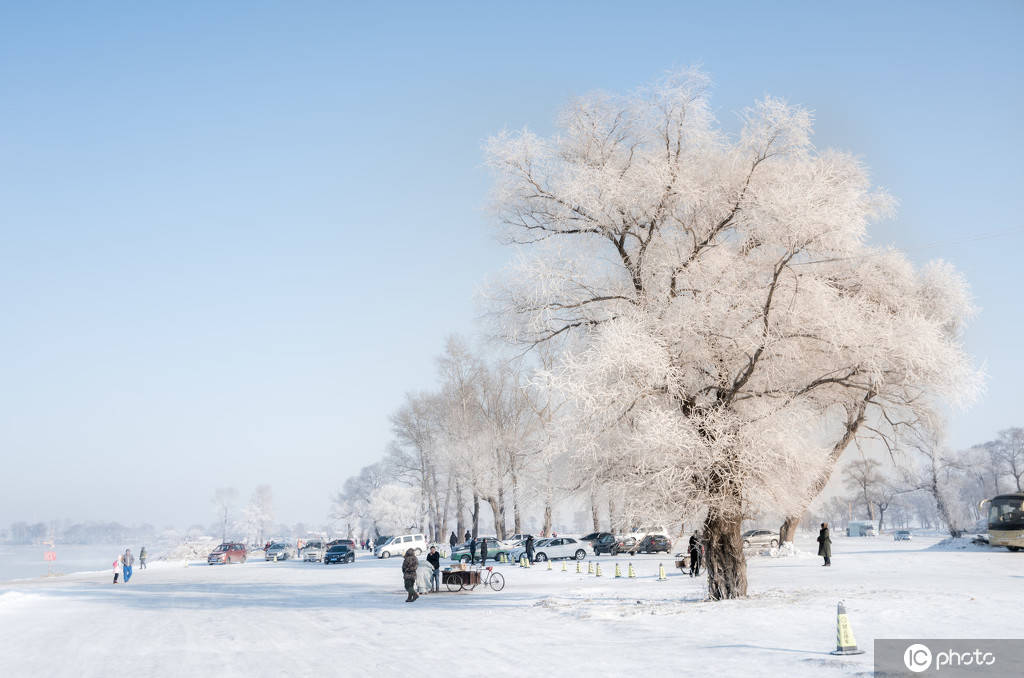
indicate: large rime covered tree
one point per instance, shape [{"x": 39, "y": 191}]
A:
[{"x": 727, "y": 323}]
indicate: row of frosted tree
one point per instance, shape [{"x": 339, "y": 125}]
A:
[{"x": 701, "y": 330}]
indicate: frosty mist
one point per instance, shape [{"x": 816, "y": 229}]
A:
[{"x": 721, "y": 332}]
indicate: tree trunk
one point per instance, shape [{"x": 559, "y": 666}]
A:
[
  {"x": 516, "y": 521},
  {"x": 499, "y": 517},
  {"x": 476, "y": 512},
  {"x": 593, "y": 510},
  {"x": 787, "y": 533},
  {"x": 726, "y": 566},
  {"x": 611, "y": 515},
  {"x": 460, "y": 522},
  {"x": 499, "y": 529},
  {"x": 547, "y": 517}
]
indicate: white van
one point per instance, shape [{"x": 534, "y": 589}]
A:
[{"x": 397, "y": 546}]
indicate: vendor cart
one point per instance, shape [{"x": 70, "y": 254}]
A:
[{"x": 467, "y": 580}]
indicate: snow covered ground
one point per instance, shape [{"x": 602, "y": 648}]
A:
[{"x": 300, "y": 619}]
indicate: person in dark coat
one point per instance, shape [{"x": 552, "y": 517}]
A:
[
  {"x": 452, "y": 541},
  {"x": 529, "y": 548},
  {"x": 472, "y": 550},
  {"x": 434, "y": 558},
  {"x": 825, "y": 545},
  {"x": 142, "y": 558},
  {"x": 409, "y": 566},
  {"x": 483, "y": 552},
  {"x": 696, "y": 554},
  {"x": 468, "y": 537}
]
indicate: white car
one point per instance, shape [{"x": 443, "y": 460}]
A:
[
  {"x": 313, "y": 552},
  {"x": 558, "y": 547},
  {"x": 639, "y": 533}
]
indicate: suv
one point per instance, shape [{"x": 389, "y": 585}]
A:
[
  {"x": 228, "y": 552},
  {"x": 901, "y": 535},
  {"x": 760, "y": 538},
  {"x": 605, "y": 543},
  {"x": 654, "y": 543},
  {"x": 397, "y": 546}
]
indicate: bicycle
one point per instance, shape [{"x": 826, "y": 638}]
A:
[{"x": 462, "y": 581}]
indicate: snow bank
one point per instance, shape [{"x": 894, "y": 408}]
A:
[
  {"x": 787, "y": 550},
  {"x": 959, "y": 544},
  {"x": 196, "y": 549}
]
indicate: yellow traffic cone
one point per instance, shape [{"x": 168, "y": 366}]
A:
[
  {"x": 578, "y": 570},
  {"x": 598, "y": 572},
  {"x": 563, "y": 566},
  {"x": 549, "y": 565},
  {"x": 590, "y": 568},
  {"x": 661, "y": 572},
  {"x": 632, "y": 572},
  {"x": 618, "y": 572},
  {"x": 845, "y": 642}
]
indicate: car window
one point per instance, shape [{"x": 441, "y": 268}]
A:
[{"x": 406, "y": 538}]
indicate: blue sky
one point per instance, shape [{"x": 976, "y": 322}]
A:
[{"x": 234, "y": 234}]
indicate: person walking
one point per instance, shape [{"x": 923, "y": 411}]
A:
[
  {"x": 472, "y": 550},
  {"x": 434, "y": 558},
  {"x": 409, "y": 566},
  {"x": 117, "y": 567},
  {"x": 825, "y": 545},
  {"x": 142, "y": 558},
  {"x": 483, "y": 552},
  {"x": 529, "y": 548},
  {"x": 452, "y": 541},
  {"x": 127, "y": 561},
  {"x": 696, "y": 553},
  {"x": 468, "y": 536}
]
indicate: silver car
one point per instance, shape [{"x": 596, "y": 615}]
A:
[
  {"x": 279, "y": 550},
  {"x": 313, "y": 552},
  {"x": 759, "y": 538}
]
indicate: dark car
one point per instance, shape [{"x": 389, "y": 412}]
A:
[
  {"x": 626, "y": 545},
  {"x": 653, "y": 543},
  {"x": 592, "y": 536},
  {"x": 228, "y": 552},
  {"x": 340, "y": 553},
  {"x": 605, "y": 543},
  {"x": 350, "y": 542}
]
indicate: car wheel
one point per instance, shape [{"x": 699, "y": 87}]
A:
[
  {"x": 385, "y": 554},
  {"x": 243, "y": 560},
  {"x": 746, "y": 544},
  {"x": 419, "y": 552},
  {"x": 580, "y": 554},
  {"x": 464, "y": 559},
  {"x": 775, "y": 543},
  {"x": 541, "y": 557}
]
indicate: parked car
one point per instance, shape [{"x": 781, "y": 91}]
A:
[
  {"x": 901, "y": 535},
  {"x": 517, "y": 552},
  {"x": 494, "y": 550},
  {"x": 517, "y": 537},
  {"x": 340, "y": 553},
  {"x": 562, "y": 547},
  {"x": 278, "y": 550},
  {"x": 639, "y": 533},
  {"x": 605, "y": 543},
  {"x": 754, "y": 538},
  {"x": 654, "y": 543},
  {"x": 626, "y": 545},
  {"x": 592, "y": 536},
  {"x": 228, "y": 552},
  {"x": 397, "y": 546},
  {"x": 313, "y": 552}
]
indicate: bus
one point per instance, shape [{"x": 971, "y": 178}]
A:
[{"x": 1006, "y": 521}]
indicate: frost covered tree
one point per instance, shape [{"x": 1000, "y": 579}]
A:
[
  {"x": 1008, "y": 454},
  {"x": 259, "y": 513},
  {"x": 224, "y": 499},
  {"x": 395, "y": 508},
  {"x": 720, "y": 308}
]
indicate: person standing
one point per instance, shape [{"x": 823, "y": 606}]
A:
[
  {"x": 696, "y": 548},
  {"x": 452, "y": 541},
  {"x": 529, "y": 548},
  {"x": 142, "y": 558},
  {"x": 409, "y": 566},
  {"x": 825, "y": 545},
  {"x": 472, "y": 550},
  {"x": 117, "y": 567},
  {"x": 468, "y": 536},
  {"x": 434, "y": 558},
  {"x": 483, "y": 552},
  {"x": 127, "y": 561}
]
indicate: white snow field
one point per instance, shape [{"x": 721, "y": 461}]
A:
[{"x": 304, "y": 619}]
